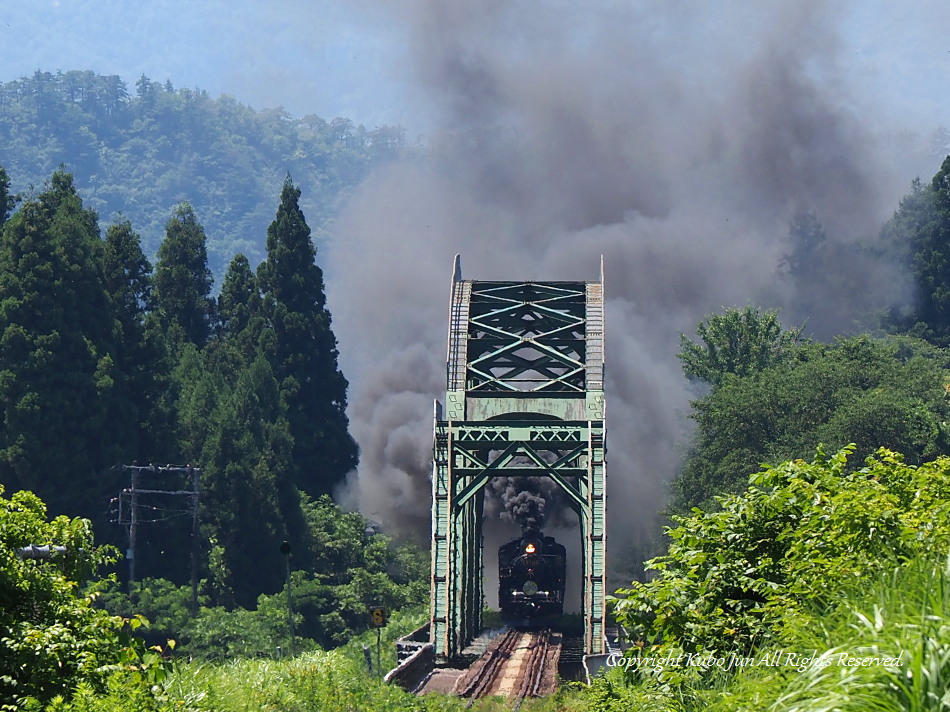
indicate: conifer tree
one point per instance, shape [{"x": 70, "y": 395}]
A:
[
  {"x": 250, "y": 505},
  {"x": 931, "y": 261},
  {"x": 918, "y": 238},
  {"x": 57, "y": 368},
  {"x": 305, "y": 351},
  {"x": 183, "y": 280},
  {"x": 241, "y": 326},
  {"x": 140, "y": 359},
  {"x": 240, "y": 298},
  {"x": 6, "y": 200}
]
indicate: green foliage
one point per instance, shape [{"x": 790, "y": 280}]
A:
[
  {"x": 161, "y": 602},
  {"x": 60, "y": 369},
  {"x": 900, "y": 239},
  {"x": 305, "y": 355},
  {"x": 141, "y": 154},
  {"x": 873, "y": 392},
  {"x": 827, "y": 279},
  {"x": 7, "y": 201},
  {"x": 250, "y": 504},
  {"x": 141, "y": 374},
  {"x": 795, "y": 539},
  {"x": 899, "y": 613},
  {"x": 241, "y": 321},
  {"x": 351, "y": 570},
  {"x": 615, "y": 692},
  {"x": 51, "y": 637},
  {"x": 931, "y": 260},
  {"x": 807, "y": 237},
  {"x": 902, "y": 614},
  {"x": 918, "y": 239},
  {"x": 333, "y": 681},
  {"x": 215, "y": 633},
  {"x": 182, "y": 278},
  {"x": 222, "y": 634},
  {"x": 905, "y": 614},
  {"x": 262, "y": 409},
  {"x": 101, "y": 362},
  {"x": 737, "y": 342}
]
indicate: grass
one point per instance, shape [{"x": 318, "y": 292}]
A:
[
  {"x": 906, "y": 614},
  {"x": 333, "y": 681}
]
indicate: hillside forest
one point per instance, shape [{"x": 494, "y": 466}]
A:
[
  {"x": 139, "y": 150},
  {"x": 118, "y": 349}
]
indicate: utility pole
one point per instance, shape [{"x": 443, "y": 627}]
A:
[
  {"x": 132, "y": 517},
  {"x": 133, "y": 525},
  {"x": 195, "y": 542},
  {"x": 285, "y": 550}
]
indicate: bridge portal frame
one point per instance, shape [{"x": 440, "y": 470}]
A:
[{"x": 524, "y": 397}]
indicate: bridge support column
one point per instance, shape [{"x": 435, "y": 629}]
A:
[{"x": 524, "y": 398}]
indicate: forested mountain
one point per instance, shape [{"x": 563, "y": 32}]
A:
[
  {"x": 104, "y": 363},
  {"x": 120, "y": 214},
  {"x": 139, "y": 151}
]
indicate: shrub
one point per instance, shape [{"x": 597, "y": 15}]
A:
[
  {"x": 51, "y": 637},
  {"x": 799, "y": 535}
]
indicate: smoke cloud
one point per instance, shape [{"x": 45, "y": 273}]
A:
[
  {"x": 676, "y": 139},
  {"x": 522, "y": 505}
]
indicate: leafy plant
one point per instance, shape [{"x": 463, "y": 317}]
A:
[
  {"x": 52, "y": 639},
  {"x": 870, "y": 392},
  {"x": 737, "y": 342},
  {"x": 799, "y": 535}
]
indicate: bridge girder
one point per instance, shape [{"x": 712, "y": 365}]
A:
[{"x": 524, "y": 397}]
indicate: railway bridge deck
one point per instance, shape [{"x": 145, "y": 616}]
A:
[{"x": 524, "y": 398}]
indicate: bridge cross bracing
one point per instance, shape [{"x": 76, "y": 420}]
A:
[{"x": 524, "y": 397}]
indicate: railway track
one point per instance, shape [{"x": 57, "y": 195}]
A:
[{"x": 517, "y": 665}]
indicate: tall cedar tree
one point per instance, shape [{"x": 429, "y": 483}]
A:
[
  {"x": 899, "y": 242},
  {"x": 918, "y": 238},
  {"x": 305, "y": 351},
  {"x": 241, "y": 334},
  {"x": 138, "y": 353},
  {"x": 233, "y": 420},
  {"x": 57, "y": 371},
  {"x": 183, "y": 280},
  {"x": 250, "y": 505},
  {"x": 931, "y": 262},
  {"x": 240, "y": 298},
  {"x": 6, "y": 200}
]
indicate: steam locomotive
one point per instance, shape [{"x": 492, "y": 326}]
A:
[{"x": 531, "y": 573}]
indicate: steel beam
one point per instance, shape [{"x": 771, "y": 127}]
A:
[{"x": 524, "y": 397}]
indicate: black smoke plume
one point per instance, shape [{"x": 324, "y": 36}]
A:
[
  {"x": 676, "y": 139},
  {"x": 526, "y": 508}
]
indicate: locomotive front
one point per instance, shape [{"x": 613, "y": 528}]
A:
[{"x": 531, "y": 572}]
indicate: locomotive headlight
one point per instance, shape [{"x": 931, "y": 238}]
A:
[
  {"x": 530, "y": 588},
  {"x": 529, "y": 548}
]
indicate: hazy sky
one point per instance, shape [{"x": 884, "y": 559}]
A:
[
  {"x": 325, "y": 57},
  {"x": 349, "y": 58}
]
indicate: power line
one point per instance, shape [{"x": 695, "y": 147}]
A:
[{"x": 130, "y": 507}]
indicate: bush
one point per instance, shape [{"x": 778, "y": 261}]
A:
[
  {"x": 902, "y": 614},
  {"x": 52, "y": 639},
  {"x": 798, "y": 536},
  {"x": 165, "y": 605}
]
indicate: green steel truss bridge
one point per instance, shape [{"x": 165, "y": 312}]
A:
[{"x": 524, "y": 397}]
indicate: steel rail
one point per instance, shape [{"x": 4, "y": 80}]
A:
[{"x": 487, "y": 673}]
